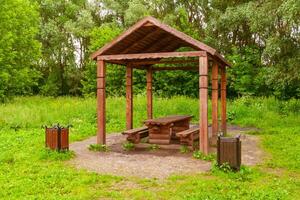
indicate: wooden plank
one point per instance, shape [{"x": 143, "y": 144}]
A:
[
  {"x": 163, "y": 40},
  {"x": 148, "y": 36},
  {"x": 129, "y": 98},
  {"x": 159, "y": 136},
  {"x": 177, "y": 129},
  {"x": 101, "y": 134},
  {"x": 190, "y": 68},
  {"x": 64, "y": 138},
  {"x": 137, "y": 63},
  {"x": 160, "y": 130},
  {"x": 152, "y": 55},
  {"x": 150, "y": 62},
  {"x": 149, "y": 94},
  {"x": 170, "y": 46},
  {"x": 167, "y": 120},
  {"x": 187, "y": 132},
  {"x": 135, "y": 130},
  {"x": 203, "y": 110},
  {"x": 214, "y": 98},
  {"x": 183, "y": 36},
  {"x": 135, "y": 137},
  {"x": 159, "y": 141},
  {"x": 223, "y": 100}
]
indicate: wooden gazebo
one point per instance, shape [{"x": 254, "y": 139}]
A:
[{"x": 151, "y": 42}]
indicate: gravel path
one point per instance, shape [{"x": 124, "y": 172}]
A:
[{"x": 145, "y": 163}]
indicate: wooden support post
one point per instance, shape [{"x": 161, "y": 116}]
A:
[
  {"x": 214, "y": 102},
  {"x": 101, "y": 123},
  {"x": 149, "y": 94},
  {"x": 203, "y": 95},
  {"x": 223, "y": 100},
  {"x": 129, "y": 98}
]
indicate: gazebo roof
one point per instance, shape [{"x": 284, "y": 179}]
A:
[{"x": 149, "y": 35}]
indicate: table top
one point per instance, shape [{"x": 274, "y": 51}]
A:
[{"x": 167, "y": 120}]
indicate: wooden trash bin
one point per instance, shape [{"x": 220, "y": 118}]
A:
[
  {"x": 57, "y": 138},
  {"x": 229, "y": 151}
]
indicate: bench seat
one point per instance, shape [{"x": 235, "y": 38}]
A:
[
  {"x": 187, "y": 137},
  {"x": 135, "y": 135}
]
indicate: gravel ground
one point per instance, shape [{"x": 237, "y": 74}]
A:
[{"x": 160, "y": 163}]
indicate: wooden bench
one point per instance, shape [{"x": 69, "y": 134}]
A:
[
  {"x": 135, "y": 135},
  {"x": 187, "y": 137}
]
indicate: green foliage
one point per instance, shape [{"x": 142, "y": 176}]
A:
[
  {"x": 260, "y": 39},
  {"x": 201, "y": 156},
  {"x": 153, "y": 147},
  {"x": 268, "y": 27},
  {"x": 136, "y": 10},
  {"x": 19, "y": 49},
  {"x": 65, "y": 35},
  {"x": 225, "y": 167},
  {"x": 98, "y": 147},
  {"x": 184, "y": 149},
  {"x": 170, "y": 83},
  {"x": 128, "y": 146},
  {"x": 247, "y": 76},
  {"x": 115, "y": 80}
]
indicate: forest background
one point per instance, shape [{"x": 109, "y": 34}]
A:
[{"x": 45, "y": 45}]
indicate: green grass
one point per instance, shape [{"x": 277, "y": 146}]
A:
[{"x": 29, "y": 171}]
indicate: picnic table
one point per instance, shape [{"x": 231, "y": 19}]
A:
[{"x": 163, "y": 130}]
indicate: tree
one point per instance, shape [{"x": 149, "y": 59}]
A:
[
  {"x": 19, "y": 49},
  {"x": 272, "y": 27},
  {"x": 115, "y": 74},
  {"x": 64, "y": 34}
]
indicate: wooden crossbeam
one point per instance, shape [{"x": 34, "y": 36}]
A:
[
  {"x": 151, "y": 62},
  {"x": 188, "y": 68},
  {"x": 153, "y": 55}
]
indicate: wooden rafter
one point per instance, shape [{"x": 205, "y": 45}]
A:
[
  {"x": 148, "y": 36},
  {"x": 163, "y": 41}
]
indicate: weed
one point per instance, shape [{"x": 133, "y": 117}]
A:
[
  {"x": 128, "y": 146},
  {"x": 225, "y": 167},
  {"x": 184, "y": 149},
  {"x": 98, "y": 147},
  {"x": 201, "y": 156},
  {"x": 153, "y": 147}
]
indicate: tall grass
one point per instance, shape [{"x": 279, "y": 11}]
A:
[{"x": 279, "y": 122}]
